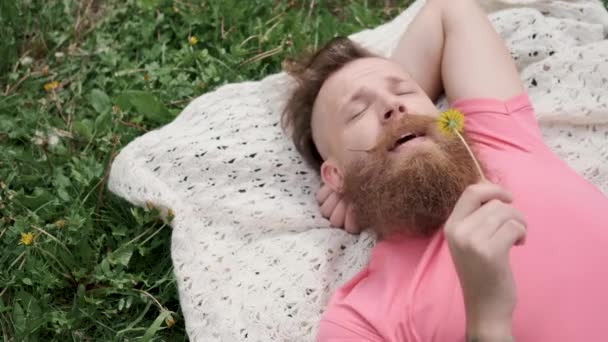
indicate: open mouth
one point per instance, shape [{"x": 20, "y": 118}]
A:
[{"x": 405, "y": 138}]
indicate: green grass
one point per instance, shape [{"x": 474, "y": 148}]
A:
[{"x": 99, "y": 269}]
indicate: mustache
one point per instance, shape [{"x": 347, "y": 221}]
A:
[{"x": 411, "y": 123}]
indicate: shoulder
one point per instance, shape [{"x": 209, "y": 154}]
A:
[
  {"x": 518, "y": 103},
  {"x": 357, "y": 311}
]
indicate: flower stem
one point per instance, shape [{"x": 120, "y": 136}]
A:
[{"x": 483, "y": 177}]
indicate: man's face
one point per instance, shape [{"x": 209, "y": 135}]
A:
[
  {"x": 357, "y": 103},
  {"x": 375, "y": 128}
]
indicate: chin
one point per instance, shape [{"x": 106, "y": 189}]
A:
[{"x": 422, "y": 149}]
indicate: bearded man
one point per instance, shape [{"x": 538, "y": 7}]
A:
[{"x": 444, "y": 267}]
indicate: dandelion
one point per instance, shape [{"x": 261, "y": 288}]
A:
[
  {"x": 26, "y": 239},
  {"x": 150, "y": 205},
  {"x": 39, "y": 138},
  {"x": 26, "y": 61},
  {"x": 146, "y": 77},
  {"x": 51, "y": 86},
  {"x": 47, "y": 139},
  {"x": 170, "y": 321},
  {"x": 452, "y": 122},
  {"x": 52, "y": 139},
  {"x": 115, "y": 109},
  {"x": 192, "y": 40},
  {"x": 60, "y": 223},
  {"x": 170, "y": 214}
]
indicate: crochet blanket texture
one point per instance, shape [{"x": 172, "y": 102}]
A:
[{"x": 254, "y": 261}]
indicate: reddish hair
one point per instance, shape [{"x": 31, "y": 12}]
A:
[{"x": 310, "y": 74}]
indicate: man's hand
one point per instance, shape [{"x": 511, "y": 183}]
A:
[
  {"x": 480, "y": 232},
  {"x": 335, "y": 208}
]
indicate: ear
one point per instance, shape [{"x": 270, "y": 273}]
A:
[{"x": 332, "y": 175}]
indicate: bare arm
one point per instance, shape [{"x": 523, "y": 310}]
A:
[
  {"x": 420, "y": 49},
  {"x": 451, "y": 45}
]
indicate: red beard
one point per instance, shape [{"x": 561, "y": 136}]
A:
[{"x": 412, "y": 190}]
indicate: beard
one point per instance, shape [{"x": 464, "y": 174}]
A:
[{"x": 412, "y": 189}]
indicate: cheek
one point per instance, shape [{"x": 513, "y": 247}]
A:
[
  {"x": 429, "y": 106},
  {"x": 421, "y": 104},
  {"x": 361, "y": 135}
]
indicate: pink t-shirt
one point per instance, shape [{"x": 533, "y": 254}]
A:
[{"x": 409, "y": 291}]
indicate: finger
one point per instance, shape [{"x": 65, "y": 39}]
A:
[
  {"x": 474, "y": 197},
  {"x": 485, "y": 222},
  {"x": 328, "y": 206},
  {"x": 350, "y": 225},
  {"x": 323, "y": 193},
  {"x": 508, "y": 235},
  {"x": 338, "y": 215},
  {"x": 522, "y": 241}
]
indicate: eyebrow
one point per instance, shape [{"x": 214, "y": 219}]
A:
[
  {"x": 395, "y": 81},
  {"x": 358, "y": 94},
  {"x": 392, "y": 80}
]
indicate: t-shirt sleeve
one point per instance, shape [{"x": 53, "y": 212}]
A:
[
  {"x": 503, "y": 124},
  {"x": 515, "y": 104},
  {"x": 330, "y": 331},
  {"x": 344, "y": 320}
]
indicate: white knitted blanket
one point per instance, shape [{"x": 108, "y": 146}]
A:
[{"x": 253, "y": 259}]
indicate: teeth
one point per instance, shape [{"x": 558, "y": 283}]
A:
[
  {"x": 406, "y": 136},
  {"x": 403, "y": 139}
]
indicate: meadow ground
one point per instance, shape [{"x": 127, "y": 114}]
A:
[{"x": 78, "y": 81}]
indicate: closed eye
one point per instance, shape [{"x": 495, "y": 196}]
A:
[
  {"x": 358, "y": 109},
  {"x": 358, "y": 114}
]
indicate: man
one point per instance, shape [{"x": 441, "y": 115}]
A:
[{"x": 444, "y": 267}]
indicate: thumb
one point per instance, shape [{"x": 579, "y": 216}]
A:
[{"x": 509, "y": 234}]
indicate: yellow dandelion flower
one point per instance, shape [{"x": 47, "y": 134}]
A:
[
  {"x": 170, "y": 214},
  {"x": 60, "y": 223},
  {"x": 170, "y": 321},
  {"x": 450, "y": 121},
  {"x": 192, "y": 40},
  {"x": 51, "y": 86},
  {"x": 26, "y": 239},
  {"x": 146, "y": 77}
]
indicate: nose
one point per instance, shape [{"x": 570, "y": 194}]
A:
[{"x": 394, "y": 113}]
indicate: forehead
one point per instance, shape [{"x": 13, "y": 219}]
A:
[
  {"x": 363, "y": 69},
  {"x": 338, "y": 88}
]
